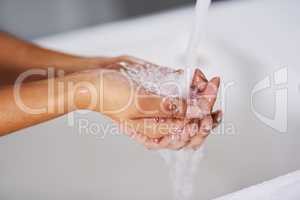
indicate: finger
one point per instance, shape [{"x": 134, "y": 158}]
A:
[
  {"x": 177, "y": 145},
  {"x": 169, "y": 142},
  {"x": 212, "y": 86},
  {"x": 156, "y": 127},
  {"x": 185, "y": 135},
  {"x": 190, "y": 130},
  {"x": 201, "y": 103},
  {"x": 199, "y": 81},
  {"x": 165, "y": 141},
  {"x": 152, "y": 145},
  {"x": 211, "y": 91},
  {"x": 176, "y": 140},
  {"x": 217, "y": 118},
  {"x": 145, "y": 141},
  {"x": 206, "y": 124},
  {"x": 198, "y": 108},
  {"x": 196, "y": 142}
]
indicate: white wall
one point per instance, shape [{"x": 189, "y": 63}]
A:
[{"x": 31, "y": 18}]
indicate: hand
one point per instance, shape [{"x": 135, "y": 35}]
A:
[
  {"x": 202, "y": 98},
  {"x": 192, "y": 137},
  {"x": 198, "y": 121},
  {"x": 114, "y": 95},
  {"x": 153, "y": 120}
]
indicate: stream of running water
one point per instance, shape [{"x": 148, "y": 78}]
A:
[
  {"x": 197, "y": 35},
  {"x": 182, "y": 164}
]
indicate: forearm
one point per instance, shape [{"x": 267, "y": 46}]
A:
[
  {"x": 17, "y": 56},
  {"x": 37, "y": 102},
  {"x": 20, "y": 55}
]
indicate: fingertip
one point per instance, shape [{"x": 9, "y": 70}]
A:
[
  {"x": 165, "y": 141},
  {"x": 198, "y": 72},
  {"x": 178, "y": 146},
  {"x": 150, "y": 145},
  {"x": 195, "y": 142},
  {"x": 199, "y": 82},
  {"x": 216, "y": 81}
]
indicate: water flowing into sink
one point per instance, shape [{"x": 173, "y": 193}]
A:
[
  {"x": 182, "y": 164},
  {"x": 197, "y": 35}
]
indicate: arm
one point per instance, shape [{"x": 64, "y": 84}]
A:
[
  {"x": 104, "y": 91},
  {"x": 112, "y": 93},
  {"x": 17, "y": 56},
  {"x": 31, "y": 104}
]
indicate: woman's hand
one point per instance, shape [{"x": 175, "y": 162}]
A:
[
  {"x": 110, "y": 94},
  {"x": 191, "y": 136},
  {"x": 113, "y": 94},
  {"x": 107, "y": 91},
  {"x": 192, "y": 130}
]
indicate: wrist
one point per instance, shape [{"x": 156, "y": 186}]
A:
[{"x": 83, "y": 90}]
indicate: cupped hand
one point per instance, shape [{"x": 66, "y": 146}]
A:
[
  {"x": 113, "y": 94},
  {"x": 184, "y": 134},
  {"x": 155, "y": 121},
  {"x": 192, "y": 130}
]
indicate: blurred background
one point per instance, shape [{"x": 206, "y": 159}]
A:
[{"x": 35, "y": 18}]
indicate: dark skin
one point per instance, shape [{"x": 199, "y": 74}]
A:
[{"x": 18, "y": 56}]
